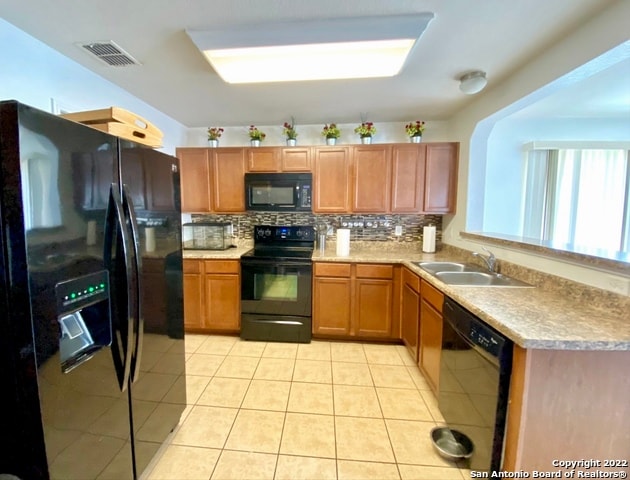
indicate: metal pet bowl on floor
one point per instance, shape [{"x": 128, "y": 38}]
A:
[{"x": 451, "y": 444}]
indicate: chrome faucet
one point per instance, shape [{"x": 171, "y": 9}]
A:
[{"x": 490, "y": 260}]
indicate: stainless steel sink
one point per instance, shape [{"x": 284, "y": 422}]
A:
[
  {"x": 468, "y": 274},
  {"x": 479, "y": 279},
  {"x": 434, "y": 267}
]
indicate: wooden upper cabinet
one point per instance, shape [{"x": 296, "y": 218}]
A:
[
  {"x": 296, "y": 159},
  {"x": 398, "y": 178},
  {"x": 194, "y": 174},
  {"x": 228, "y": 187},
  {"x": 160, "y": 188},
  {"x": 331, "y": 178},
  {"x": 371, "y": 180},
  {"x": 440, "y": 191},
  {"x": 264, "y": 159},
  {"x": 408, "y": 162}
]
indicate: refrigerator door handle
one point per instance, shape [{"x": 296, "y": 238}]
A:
[
  {"x": 121, "y": 342},
  {"x": 137, "y": 268}
]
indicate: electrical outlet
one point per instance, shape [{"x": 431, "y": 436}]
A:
[{"x": 398, "y": 230}]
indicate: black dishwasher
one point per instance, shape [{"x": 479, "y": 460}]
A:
[{"x": 475, "y": 368}]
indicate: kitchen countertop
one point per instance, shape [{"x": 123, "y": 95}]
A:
[
  {"x": 229, "y": 254},
  {"x": 536, "y": 318}
]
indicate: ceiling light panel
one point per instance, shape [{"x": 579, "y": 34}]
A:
[
  {"x": 337, "y": 48},
  {"x": 310, "y": 62}
]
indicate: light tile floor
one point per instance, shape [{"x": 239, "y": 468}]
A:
[{"x": 324, "y": 410}]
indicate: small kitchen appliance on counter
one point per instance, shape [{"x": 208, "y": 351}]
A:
[
  {"x": 207, "y": 236},
  {"x": 276, "y": 284}
]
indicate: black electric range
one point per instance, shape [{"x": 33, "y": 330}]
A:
[{"x": 276, "y": 284}]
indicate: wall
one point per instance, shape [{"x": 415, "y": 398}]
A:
[
  {"x": 37, "y": 75},
  {"x": 597, "y": 36}
]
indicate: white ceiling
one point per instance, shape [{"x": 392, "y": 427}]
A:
[{"x": 495, "y": 36}]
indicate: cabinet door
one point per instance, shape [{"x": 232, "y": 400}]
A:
[
  {"x": 223, "y": 300},
  {"x": 263, "y": 159},
  {"x": 430, "y": 344},
  {"x": 193, "y": 295},
  {"x": 194, "y": 175},
  {"x": 371, "y": 181},
  {"x": 228, "y": 173},
  {"x": 331, "y": 305},
  {"x": 407, "y": 178},
  {"x": 410, "y": 313},
  {"x": 373, "y": 307},
  {"x": 440, "y": 191},
  {"x": 296, "y": 159},
  {"x": 331, "y": 176},
  {"x": 159, "y": 182}
]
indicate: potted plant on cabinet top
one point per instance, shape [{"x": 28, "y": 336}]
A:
[
  {"x": 214, "y": 133},
  {"x": 365, "y": 131},
  {"x": 414, "y": 130},
  {"x": 256, "y": 136},
  {"x": 290, "y": 132},
  {"x": 331, "y": 132}
]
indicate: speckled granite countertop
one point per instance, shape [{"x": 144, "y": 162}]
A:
[
  {"x": 229, "y": 254},
  {"x": 543, "y": 317}
]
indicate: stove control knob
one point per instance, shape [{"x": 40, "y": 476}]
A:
[
  {"x": 268, "y": 233},
  {"x": 299, "y": 233}
]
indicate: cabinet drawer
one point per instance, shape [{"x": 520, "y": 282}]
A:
[
  {"x": 331, "y": 269},
  {"x": 374, "y": 271},
  {"x": 221, "y": 266},
  {"x": 191, "y": 266},
  {"x": 432, "y": 295},
  {"x": 411, "y": 279}
]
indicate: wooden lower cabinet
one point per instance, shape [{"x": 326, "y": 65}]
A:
[
  {"x": 212, "y": 295},
  {"x": 410, "y": 312},
  {"x": 331, "y": 305},
  {"x": 193, "y": 295},
  {"x": 374, "y": 300},
  {"x": 430, "y": 334},
  {"x": 354, "y": 300}
]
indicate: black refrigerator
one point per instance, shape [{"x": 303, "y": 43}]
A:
[{"x": 92, "y": 370}]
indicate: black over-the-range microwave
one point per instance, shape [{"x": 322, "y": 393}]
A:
[{"x": 278, "y": 192}]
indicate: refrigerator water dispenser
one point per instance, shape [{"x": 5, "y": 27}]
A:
[{"x": 83, "y": 313}]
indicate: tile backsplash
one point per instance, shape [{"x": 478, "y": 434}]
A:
[{"x": 377, "y": 228}]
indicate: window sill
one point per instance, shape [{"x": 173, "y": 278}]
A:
[{"x": 605, "y": 260}]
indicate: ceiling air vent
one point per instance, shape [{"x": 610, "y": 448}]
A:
[{"x": 110, "y": 53}]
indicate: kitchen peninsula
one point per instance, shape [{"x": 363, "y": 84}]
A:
[{"x": 569, "y": 386}]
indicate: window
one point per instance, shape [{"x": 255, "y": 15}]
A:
[{"x": 578, "y": 199}]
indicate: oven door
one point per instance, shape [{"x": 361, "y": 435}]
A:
[{"x": 273, "y": 287}]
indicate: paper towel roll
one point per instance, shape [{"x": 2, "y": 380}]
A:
[
  {"x": 343, "y": 242},
  {"x": 149, "y": 233},
  {"x": 90, "y": 238},
  {"x": 428, "y": 239}
]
